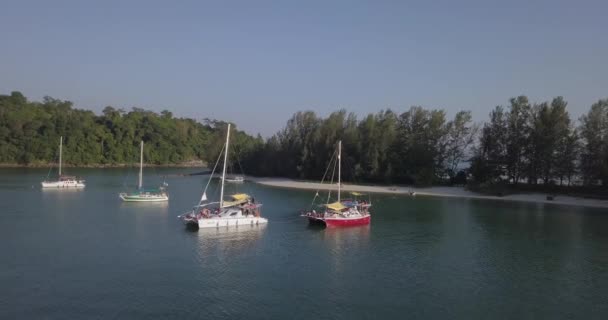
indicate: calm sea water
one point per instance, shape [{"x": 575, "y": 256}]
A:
[{"x": 84, "y": 254}]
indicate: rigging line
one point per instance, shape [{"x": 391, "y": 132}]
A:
[
  {"x": 51, "y": 168},
  {"x": 238, "y": 161},
  {"x": 333, "y": 174},
  {"x": 355, "y": 181},
  {"x": 211, "y": 176},
  {"x": 49, "y": 173},
  {"x": 323, "y": 179},
  {"x": 128, "y": 176}
]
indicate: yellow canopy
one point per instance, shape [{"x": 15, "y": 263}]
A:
[
  {"x": 231, "y": 203},
  {"x": 337, "y": 206},
  {"x": 357, "y": 193},
  {"x": 237, "y": 199},
  {"x": 240, "y": 196}
]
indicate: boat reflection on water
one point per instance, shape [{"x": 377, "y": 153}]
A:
[
  {"x": 61, "y": 194},
  {"x": 342, "y": 242},
  {"x": 351, "y": 236},
  {"x": 144, "y": 204},
  {"x": 144, "y": 210},
  {"x": 240, "y": 233},
  {"x": 61, "y": 190},
  {"x": 228, "y": 240}
]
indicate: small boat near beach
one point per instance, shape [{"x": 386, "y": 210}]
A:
[
  {"x": 63, "y": 181},
  {"x": 144, "y": 195},
  {"x": 236, "y": 179},
  {"x": 239, "y": 211},
  {"x": 343, "y": 212}
]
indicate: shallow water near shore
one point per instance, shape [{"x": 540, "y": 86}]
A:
[{"x": 85, "y": 254}]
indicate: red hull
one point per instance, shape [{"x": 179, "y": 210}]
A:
[{"x": 346, "y": 222}]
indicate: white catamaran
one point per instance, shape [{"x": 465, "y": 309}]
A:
[
  {"x": 63, "y": 181},
  {"x": 141, "y": 194},
  {"x": 240, "y": 210}
]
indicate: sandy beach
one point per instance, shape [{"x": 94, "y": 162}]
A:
[{"x": 456, "y": 192}]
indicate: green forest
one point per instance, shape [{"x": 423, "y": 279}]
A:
[
  {"x": 30, "y": 131},
  {"x": 521, "y": 143}
]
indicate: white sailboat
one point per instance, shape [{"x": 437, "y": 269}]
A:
[
  {"x": 63, "y": 181},
  {"x": 141, "y": 194},
  {"x": 240, "y": 210}
]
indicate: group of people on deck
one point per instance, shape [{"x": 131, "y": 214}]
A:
[
  {"x": 247, "y": 209},
  {"x": 356, "y": 208},
  {"x": 208, "y": 213}
]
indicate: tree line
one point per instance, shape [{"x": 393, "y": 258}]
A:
[
  {"x": 522, "y": 143},
  {"x": 30, "y": 131},
  {"x": 540, "y": 144},
  {"x": 418, "y": 146}
]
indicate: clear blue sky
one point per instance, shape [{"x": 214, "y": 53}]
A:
[{"x": 257, "y": 62}]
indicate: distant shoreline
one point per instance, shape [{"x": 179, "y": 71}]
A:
[
  {"x": 187, "y": 164},
  {"x": 452, "y": 192}
]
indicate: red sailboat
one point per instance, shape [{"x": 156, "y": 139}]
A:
[{"x": 343, "y": 212}]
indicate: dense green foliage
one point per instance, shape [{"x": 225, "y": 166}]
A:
[
  {"x": 30, "y": 131},
  {"x": 535, "y": 144},
  {"x": 418, "y": 146},
  {"x": 540, "y": 144}
]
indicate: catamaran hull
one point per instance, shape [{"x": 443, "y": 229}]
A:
[
  {"x": 62, "y": 184},
  {"x": 341, "y": 222},
  {"x": 219, "y": 223}
]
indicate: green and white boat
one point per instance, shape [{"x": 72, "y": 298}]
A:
[{"x": 141, "y": 194}]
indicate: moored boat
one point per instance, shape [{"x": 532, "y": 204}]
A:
[
  {"x": 63, "y": 181},
  {"x": 144, "y": 195},
  {"x": 236, "y": 179},
  {"x": 241, "y": 210},
  {"x": 343, "y": 212}
]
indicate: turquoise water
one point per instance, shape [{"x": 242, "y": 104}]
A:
[{"x": 85, "y": 254}]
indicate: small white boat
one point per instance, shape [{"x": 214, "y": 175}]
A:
[
  {"x": 241, "y": 210},
  {"x": 236, "y": 179},
  {"x": 144, "y": 195},
  {"x": 154, "y": 195},
  {"x": 63, "y": 181}
]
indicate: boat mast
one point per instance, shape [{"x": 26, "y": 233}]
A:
[
  {"x": 60, "y": 147},
  {"x": 224, "y": 171},
  {"x": 141, "y": 165},
  {"x": 339, "y": 167}
]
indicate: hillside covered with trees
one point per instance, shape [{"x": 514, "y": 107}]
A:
[{"x": 30, "y": 131}]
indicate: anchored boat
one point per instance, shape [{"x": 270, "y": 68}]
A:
[
  {"x": 236, "y": 179},
  {"x": 63, "y": 181},
  {"x": 145, "y": 195},
  {"x": 240, "y": 210},
  {"x": 343, "y": 212}
]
